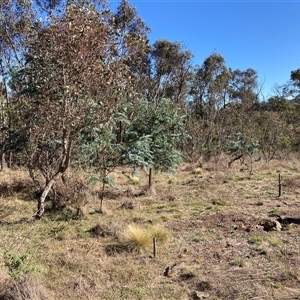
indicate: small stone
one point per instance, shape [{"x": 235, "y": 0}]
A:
[
  {"x": 270, "y": 225},
  {"x": 199, "y": 295}
]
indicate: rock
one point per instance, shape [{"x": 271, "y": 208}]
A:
[
  {"x": 199, "y": 295},
  {"x": 169, "y": 271},
  {"x": 270, "y": 225}
]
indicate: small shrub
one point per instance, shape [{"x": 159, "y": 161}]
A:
[
  {"x": 75, "y": 194},
  {"x": 136, "y": 239},
  {"x": 17, "y": 264}
]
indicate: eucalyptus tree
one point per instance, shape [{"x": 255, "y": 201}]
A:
[
  {"x": 209, "y": 95},
  {"x": 131, "y": 27},
  {"x": 209, "y": 84},
  {"x": 74, "y": 81},
  {"x": 169, "y": 72},
  {"x": 295, "y": 77},
  {"x": 152, "y": 138},
  {"x": 16, "y": 24},
  {"x": 243, "y": 148},
  {"x": 293, "y": 87},
  {"x": 244, "y": 87},
  {"x": 159, "y": 71},
  {"x": 245, "y": 105},
  {"x": 133, "y": 45},
  {"x": 99, "y": 151}
]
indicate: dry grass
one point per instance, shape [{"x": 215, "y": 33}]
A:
[
  {"x": 210, "y": 220},
  {"x": 135, "y": 238},
  {"x": 135, "y": 179},
  {"x": 159, "y": 232},
  {"x": 27, "y": 288}
]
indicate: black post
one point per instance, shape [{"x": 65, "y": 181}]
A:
[{"x": 279, "y": 185}]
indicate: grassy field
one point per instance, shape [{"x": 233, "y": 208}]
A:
[{"x": 210, "y": 221}]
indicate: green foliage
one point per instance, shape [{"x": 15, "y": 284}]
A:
[
  {"x": 169, "y": 65},
  {"x": 14, "y": 140},
  {"x": 242, "y": 148},
  {"x": 17, "y": 264},
  {"x": 295, "y": 77},
  {"x": 153, "y": 135},
  {"x": 109, "y": 181},
  {"x": 242, "y": 145},
  {"x": 98, "y": 147},
  {"x": 74, "y": 78},
  {"x": 138, "y": 153}
]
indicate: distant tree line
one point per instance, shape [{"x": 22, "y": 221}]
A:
[{"x": 83, "y": 88}]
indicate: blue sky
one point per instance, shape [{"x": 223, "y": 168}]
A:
[{"x": 263, "y": 35}]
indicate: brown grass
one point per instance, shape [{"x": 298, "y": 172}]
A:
[
  {"x": 135, "y": 238},
  {"x": 208, "y": 223},
  {"x": 27, "y": 288}
]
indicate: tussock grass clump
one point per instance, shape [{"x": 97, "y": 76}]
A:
[
  {"x": 136, "y": 239},
  {"x": 198, "y": 171},
  {"x": 160, "y": 233},
  {"x": 135, "y": 180}
]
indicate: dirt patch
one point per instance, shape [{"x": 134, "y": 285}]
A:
[{"x": 233, "y": 222}]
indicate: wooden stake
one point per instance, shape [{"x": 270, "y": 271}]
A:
[
  {"x": 279, "y": 185},
  {"x": 154, "y": 247}
]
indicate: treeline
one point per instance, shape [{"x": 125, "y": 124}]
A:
[{"x": 82, "y": 87}]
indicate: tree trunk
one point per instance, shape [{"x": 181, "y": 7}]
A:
[
  {"x": 120, "y": 134},
  {"x": 10, "y": 160},
  {"x": 101, "y": 199},
  {"x": 150, "y": 178},
  {"x": 65, "y": 161},
  {"x": 46, "y": 190},
  {"x": 151, "y": 187},
  {"x": 234, "y": 159},
  {"x": 3, "y": 162}
]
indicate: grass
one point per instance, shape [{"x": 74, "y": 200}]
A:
[
  {"x": 159, "y": 232},
  {"x": 198, "y": 171},
  {"x": 208, "y": 225},
  {"x": 135, "y": 180},
  {"x": 256, "y": 239},
  {"x": 136, "y": 239},
  {"x": 26, "y": 288}
]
